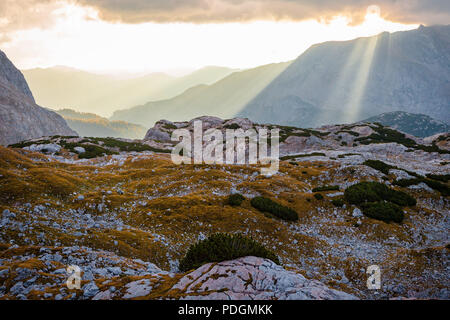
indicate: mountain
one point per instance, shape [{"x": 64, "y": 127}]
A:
[
  {"x": 63, "y": 87},
  {"x": 348, "y": 81},
  {"x": 332, "y": 82},
  {"x": 20, "y": 117},
  {"x": 418, "y": 125},
  {"x": 141, "y": 227},
  {"x": 92, "y": 125},
  {"x": 224, "y": 98}
]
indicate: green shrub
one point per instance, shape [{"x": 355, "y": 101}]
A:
[
  {"x": 314, "y": 154},
  {"x": 318, "y": 196},
  {"x": 378, "y": 165},
  {"x": 235, "y": 199},
  {"x": 439, "y": 177},
  {"x": 339, "y": 202},
  {"x": 326, "y": 188},
  {"x": 222, "y": 247},
  {"x": 384, "y": 211},
  {"x": 267, "y": 205},
  {"x": 435, "y": 185},
  {"x": 374, "y": 192},
  {"x": 233, "y": 126}
]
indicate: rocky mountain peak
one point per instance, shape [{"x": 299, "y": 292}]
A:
[{"x": 13, "y": 76}]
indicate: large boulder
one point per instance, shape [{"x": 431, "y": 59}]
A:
[{"x": 253, "y": 278}]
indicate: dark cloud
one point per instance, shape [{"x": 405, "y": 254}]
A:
[{"x": 201, "y": 11}]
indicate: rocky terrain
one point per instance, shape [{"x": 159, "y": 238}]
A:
[
  {"x": 123, "y": 213},
  {"x": 20, "y": 117},
  {"x": 418, "y": 125}
]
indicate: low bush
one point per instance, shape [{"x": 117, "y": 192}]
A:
[
  {"x": 235, "y": 199},
  {"x": 364, "y": 192},
  {"x": 318, "y": 196},
  {"x": 222, "y": 247},
  {"x": 339, "y": 202},
  {"x": 384, "y": 211},
  {"x": 326, "y": 188},
  {"x": 267, "y": 205},
  {"x": 378, "y": 165},
  {"x": 435, "y": 185},
  {"x": 439, "y": 177},
  {"x": 314, "y": 154}
]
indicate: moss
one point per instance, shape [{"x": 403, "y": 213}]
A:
[
  {"x": 326, "y": 188},
  {"x": 267, "y": 205},
  {"x": 384, "y": 211},
  {"x": 235, "y": 199},
  {"x": 222, "y": 247}
]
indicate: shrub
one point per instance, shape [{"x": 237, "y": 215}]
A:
[
  {"x": 267, "y": 205},
  {"x": 384, "y": 211},
  {"x": 439, "y": 177},
  {"x": 318, "y": 196},
  {"x": 222, "y": 247},
  {"x": 339, "y": 202},
  {"x": 378, "y": 165},
  {"x": 314, "y": 154},
  {"x": 374, "y": 192},
  {"x": 235, "y": 199},
  {"x": 435, "y": 185},
  {"x": 326, "y": 188}
]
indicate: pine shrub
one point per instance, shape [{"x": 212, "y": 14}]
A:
[
  {"x": 267, "y": 205},
  {"x": 222, "y": 247}
]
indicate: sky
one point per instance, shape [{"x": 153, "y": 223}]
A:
[{"x": 141, "y": 36}]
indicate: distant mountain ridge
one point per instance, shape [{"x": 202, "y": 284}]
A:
[
  {"x": 418, "y": 125},
  {"x": 224, "y": 98},
  {"x": 332, "y": 82},
  {"x": 92, "y": 125},
  {"x": 63, "y": 87},
  {"x": 20, "y": 117},
  {"x": 336, "y": 82}
]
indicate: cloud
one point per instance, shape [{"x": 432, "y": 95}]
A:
[
  {"x": 206, "y": 11},
  {"x": 16, "y": 15}
]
